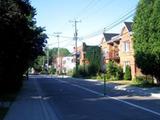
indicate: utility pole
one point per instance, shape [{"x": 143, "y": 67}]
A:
[
  {"x": 47, "y": 58},
  {"x": 58, "y": 56},
  {"x": 76, "y": 38}
]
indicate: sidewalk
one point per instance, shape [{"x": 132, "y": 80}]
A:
[
  {"x": 30, "y": 104},
  {"x": 153, "y": 92}
]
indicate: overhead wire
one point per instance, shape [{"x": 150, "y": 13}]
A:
[
  {"x": 99, "y": 9},
  {"x": 88, "y": 7},
  {"x": 112, "y": 25},
  {"x": 81, "y": 12}
]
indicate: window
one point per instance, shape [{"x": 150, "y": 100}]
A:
[{"x": 126, "y": 45}]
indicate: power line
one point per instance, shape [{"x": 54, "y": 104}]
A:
[
  {"x": 112, "y": 25},
  {"x": 60, "y": 36},
  {"x": 61, "y": 41},
  {"x": 98, "y": 9},
  {"x": 85, "y": 9}
]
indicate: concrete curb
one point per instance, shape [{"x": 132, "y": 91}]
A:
[{"x": 130, "y": 89}]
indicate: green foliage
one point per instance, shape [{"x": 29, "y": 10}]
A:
[
  {"x": 127, "y": 74},
  {"x": 146, "y": 30},
  {"x": 52, "y": 70},
  {"x": 21, "y": 41},
  {"x": 114, "y": 72},
  {"x": 38, "y": 64},
  {"x": 75, "y": 74},
  {"x": 70, "y": 73},
  {"x": 93, "y": 55},
  {"x": 100, "y": 76},
  {"x": 53, "y": 54},
  {"x": 143, "y": 81},
  {"x": 82, "y": 72},
  {"x": 88, "y": 71},
  {"x": 119, "y": 73},
  {"x": 92, "y": 69}
]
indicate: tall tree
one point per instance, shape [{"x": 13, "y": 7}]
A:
[
  {"x": 146, "y": 30},
  {"x": 53, "y": 53},
  {"x": 21, "y": 41}
]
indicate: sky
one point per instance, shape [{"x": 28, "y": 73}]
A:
[{"x": 93, "y": 16}]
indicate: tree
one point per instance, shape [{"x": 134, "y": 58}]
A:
[
  {"x": 21, "y": 41},
  {"x": 38, "y": 64},
  {"x": 146, "y": 29},
  {"x": 93, "y": 56},
  {"x": 41, "y": 61},
  {"x": 53, "y": 54}
]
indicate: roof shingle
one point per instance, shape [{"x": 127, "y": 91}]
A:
[
  {"x": 108, "y": 36},
  {"x": 128, "y": 25}
]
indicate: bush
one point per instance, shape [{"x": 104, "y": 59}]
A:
[
  {"x": 143, "y": 81},
  {"x": 92, "y": 69},
  {"x": 119, "y": 73},
  {"x": 81, "y": 72},
  {"x": 127, "y": 75},
  {"x": 52, "y": 70},
  {"x": 114, "y": 72},
  {"x": 70, "y": 73}
]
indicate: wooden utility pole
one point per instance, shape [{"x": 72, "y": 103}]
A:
[
  {"x": 58, "y": 56},
  {"x": 76, "y": 38}
]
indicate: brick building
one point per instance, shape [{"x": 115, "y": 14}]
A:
[{"x": 119, "y": 48}]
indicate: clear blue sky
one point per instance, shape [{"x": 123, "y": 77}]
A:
[{"x": 55, "y": 15}]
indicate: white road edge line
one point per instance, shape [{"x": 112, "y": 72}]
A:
[{"x": 123, "y": 101}]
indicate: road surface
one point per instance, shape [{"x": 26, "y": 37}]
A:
[{"x": 77, "y": 99}]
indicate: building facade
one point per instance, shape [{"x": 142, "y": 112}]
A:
[{"x": 119, "y": 48}]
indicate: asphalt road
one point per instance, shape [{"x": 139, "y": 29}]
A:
[{"x": 78, "y": 99}]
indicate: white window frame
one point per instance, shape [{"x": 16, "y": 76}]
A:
[{"x": 126, "y": 46}]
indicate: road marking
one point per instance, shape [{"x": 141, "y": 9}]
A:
[{"x": 114, "y": 98}]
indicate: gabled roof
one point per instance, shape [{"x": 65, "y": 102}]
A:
[
  {"x": 128, "y": 25},
  {"x": 114, "y": 39},
  {"x": 108, "y": 36}
]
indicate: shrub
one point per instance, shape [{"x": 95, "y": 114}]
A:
[
  {"x": 100, "y": 76},
  {"x": 81, "y": 72},
  {"x": 119, "y": 73},
  {"x": 92, "y": 69},
  {"x": 74, "y": 73},
  {"x": 127, "y": 75},
  {"x": 70, "y": 73},
  {"x": 143, "y": 81},
  {"x": 114, "y": 72},
  {"x": 52, "y": 70}
]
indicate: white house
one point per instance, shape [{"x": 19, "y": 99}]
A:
[{"x": 68, "y": 63}]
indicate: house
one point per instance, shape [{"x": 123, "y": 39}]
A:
[
  {"x": 68, "y": 64},
  {"x": 126, "y": 52},
  {"x": 88, "y": 54},
  {"x": 64, "y": 64},
  {"x": 119, "y": 48},
  {"x": 109, "y": 48}
]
